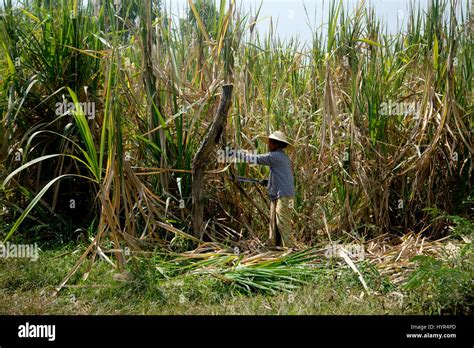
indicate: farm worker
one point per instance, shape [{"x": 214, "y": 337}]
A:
[{"x": 281, "y": 189}]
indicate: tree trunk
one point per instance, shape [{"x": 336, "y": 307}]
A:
[{"x": 201, "y": 159}]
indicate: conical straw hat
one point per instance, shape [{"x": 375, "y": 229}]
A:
[{"x": 280, "y": 136}]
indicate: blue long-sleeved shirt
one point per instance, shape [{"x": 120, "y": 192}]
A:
[{"x": 280, "y": 182}]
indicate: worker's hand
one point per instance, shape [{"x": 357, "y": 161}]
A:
[{"x": 264, "y": 182}]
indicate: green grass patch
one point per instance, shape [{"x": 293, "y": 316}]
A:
[{"x": 154, "y": 289}]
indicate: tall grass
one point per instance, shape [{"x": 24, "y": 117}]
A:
[{"x": 154, "y": 79}]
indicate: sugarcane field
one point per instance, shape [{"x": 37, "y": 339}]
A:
[{"x": 236, "y": 157}]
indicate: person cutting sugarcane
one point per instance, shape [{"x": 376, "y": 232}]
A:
[{"x": 280, "y": 187}]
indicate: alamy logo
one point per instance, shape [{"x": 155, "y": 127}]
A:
[
  {"x": 87, "y": 108},
  {"x": 37, "y": 331},
  {"x": 228, "y": 155},
  {"x": 355, "y": 251},
  {"x": 393, "y": 108},
  {"x": 9, "y": 250}
]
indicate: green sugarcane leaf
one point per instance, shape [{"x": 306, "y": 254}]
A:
[
  {"x": 435, "y": 53},
  {"x": 35, "y": 201}
]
